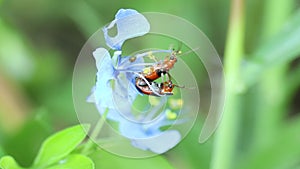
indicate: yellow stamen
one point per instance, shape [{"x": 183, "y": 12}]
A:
[{"x": 171, "y": 115}]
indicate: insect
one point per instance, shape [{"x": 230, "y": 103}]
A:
[
  {"x": 155, "y": 89},
  {"x": 147, "y": 73},
  {"x": 145, "y": 82}
]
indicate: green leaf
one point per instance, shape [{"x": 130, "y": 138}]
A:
[
  {"x": 60, "y": 145},
  {"x": 8, "y": 162},
  {"x": 75, "y": 161},
  {"x": 282, "y": 48},
  {"x": 24, "y": 144},
  {"x": 109, "y": 160}
]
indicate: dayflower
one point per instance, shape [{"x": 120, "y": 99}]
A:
[{"x": 115, "y": 89}]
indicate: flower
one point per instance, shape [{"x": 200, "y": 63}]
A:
[{"x": 115, "y": 89}]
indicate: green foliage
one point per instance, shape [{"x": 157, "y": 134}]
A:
[
  {"x": 282, "y": 48},
  {"x": 9, "y": 162},
  {"x": 55, "y": 151},
  {"x": 32, "y": 134},
  {"x": 263, "y": 76},
  {"x": 59, "y": 145},
  {"x": 285, "y": 43},
  {"x": 75, "y": 161}
]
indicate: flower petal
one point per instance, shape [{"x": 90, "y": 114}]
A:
[
  {"x": 125, "y": 90},
  {"x": 122, "y": 100},
  {"x": 140, "y": 130},
  {"x": 159, "y": 144},
  {"x": 129, "y": 24},
  {"x": 102, "y": 92},
  {"x": 132, "y": 130}
]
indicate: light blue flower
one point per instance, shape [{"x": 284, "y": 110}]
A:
[
  {"x": 145, "y": 136},
  {"x": 115, "y": 89}
]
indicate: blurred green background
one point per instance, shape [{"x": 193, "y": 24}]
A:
[{"x": 41, "y": 39}]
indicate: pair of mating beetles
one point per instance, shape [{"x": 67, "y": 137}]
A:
[{"x": 145, "y": 80}]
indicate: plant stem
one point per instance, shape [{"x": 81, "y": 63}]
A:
[
  {"x": 226, "y": 135},
  {"x": 272, "y": 101},
  {"x": 90, "y": 143}
]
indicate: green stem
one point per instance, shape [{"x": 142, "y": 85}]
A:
[
  {"x": 271, "y": 104},
  {"x": 226, "y": 135},
  {"x": 90, "y": 143}
]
